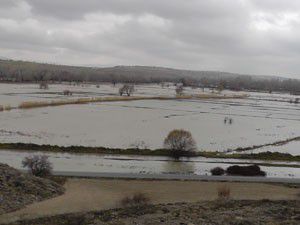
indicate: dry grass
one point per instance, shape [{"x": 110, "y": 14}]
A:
[
  {"x": 5, "y": 108},
  {"x": 224, "y": 192},
  {"x": 218, "y": 96},
  {"x": 136, "y": 200},
  {"x": 28, "y": 105}
]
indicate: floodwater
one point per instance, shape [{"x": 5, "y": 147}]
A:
[
  {"x": 260, "y": 119},
  {"x": 141, "y": 164},
  {"x": 146, "y": 123}
]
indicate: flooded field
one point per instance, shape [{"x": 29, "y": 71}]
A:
[
  {"x": 143, "y": 164},
  {"x": 260, "y": 119}
]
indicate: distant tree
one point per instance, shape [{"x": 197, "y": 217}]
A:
[
  {"x": 44, "y": 85},
  {"x": 180, "y": 143},
  {"x": 126, "y": 89},
  {"x": 221, "y": 86},
  {"x": 38, "y": 165},
  {"x": 67, "y": 92},
  {"x": 179, "y": 90}
]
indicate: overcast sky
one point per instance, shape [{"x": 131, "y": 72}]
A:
[{"x": 245, "y": 36}]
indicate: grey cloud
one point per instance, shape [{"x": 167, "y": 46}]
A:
[{"x": 246, "y": 36}]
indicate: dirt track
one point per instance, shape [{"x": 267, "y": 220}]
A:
[{"x": 97, "y": 194}]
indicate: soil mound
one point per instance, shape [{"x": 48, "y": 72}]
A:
[{"x": 18, "y": 189}]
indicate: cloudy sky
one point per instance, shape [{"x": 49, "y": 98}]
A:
[{"x": 245, "y": 36}]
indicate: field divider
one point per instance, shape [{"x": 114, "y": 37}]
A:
[{"x": 39, "y": 104}]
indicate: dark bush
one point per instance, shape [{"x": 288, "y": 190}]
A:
[
  {"x": 217, "y": 171},
  {"x": 252, "y": 170}
]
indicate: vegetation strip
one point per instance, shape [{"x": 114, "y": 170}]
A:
[
  {"x": 36, "y": 104},
  {"x": 271, "y": 156},
  {"x": 277, "y": 143}
]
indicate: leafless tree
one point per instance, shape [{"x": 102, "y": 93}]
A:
[
  {"x": 67, "y": 92},
  {"x": 44, "y": 85},
  {"x": 179, "y": 90},
  {"x": 126, "y": 89},
  {"x": 180, "y": 143},
  {"x": 38, "y": 165}
]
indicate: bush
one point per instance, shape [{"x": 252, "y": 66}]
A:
[
  {"x": 67, "y": 92},
  {"x": 252, "y": 170},
  {"x": 224, "y": 192},
  {"x": 136, "y": 200},
  {"x": 126, "y": 89},
  {"x": 217, "y": 171},
  {"x": 38, "y": 165},
  {"x": 180, "y": 142},
  {"x": 179, "y": 90}
]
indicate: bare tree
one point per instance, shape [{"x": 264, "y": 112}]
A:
[
  {"x": 180, "y": 143},
  {"x": 67, "y": 92},
  {"x": 221, "y": 86},
  {"x": 38, "y": 165},
  {"x": 179, "y": 90},
  {"x": 126, "y": 89},
  {"x": 44, "y": 85}
]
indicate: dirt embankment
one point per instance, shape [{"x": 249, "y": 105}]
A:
[
  {"x": 216, "y": 212},
  {"x": 18, "y": 189}
]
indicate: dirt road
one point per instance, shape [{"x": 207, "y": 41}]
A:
[{"x": 97, "y": 194}]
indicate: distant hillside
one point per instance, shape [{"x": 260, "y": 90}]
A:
[{"x": 21, "y": 71}]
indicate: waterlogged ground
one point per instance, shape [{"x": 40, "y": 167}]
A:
[
  {"x": 145, "y": 123},
  {"x": 260, "y": 119},
  {"x": 143, "y": 164},
  {"x": 14, "y": 94}
]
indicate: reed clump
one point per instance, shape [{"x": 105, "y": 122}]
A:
[{"x": 34, "y": 104}]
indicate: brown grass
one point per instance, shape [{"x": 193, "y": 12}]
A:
[
  {"x": 136, "y": 200},
  {"x": 34, "y": 104},
  {"x": 28, "y": 105},
  {"x": 224, "y": 192}
]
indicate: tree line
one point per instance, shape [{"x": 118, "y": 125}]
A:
[{"x": 21, "y": 71}]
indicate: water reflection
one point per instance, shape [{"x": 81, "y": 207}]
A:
[
  {"x": 179, "y": 167},
  {"x": 138, "y": 164}
]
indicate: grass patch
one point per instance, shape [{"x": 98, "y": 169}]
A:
[
  {"x": 5, "y": 108},
  {"x": 267, "y": 156}
]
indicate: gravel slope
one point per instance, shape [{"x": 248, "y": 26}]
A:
[
  {"x": 208, "y": 213},
  {"x": 18, "y": 189}
]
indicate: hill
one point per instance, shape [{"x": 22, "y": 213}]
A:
[{"x": 22, "y": 71}]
